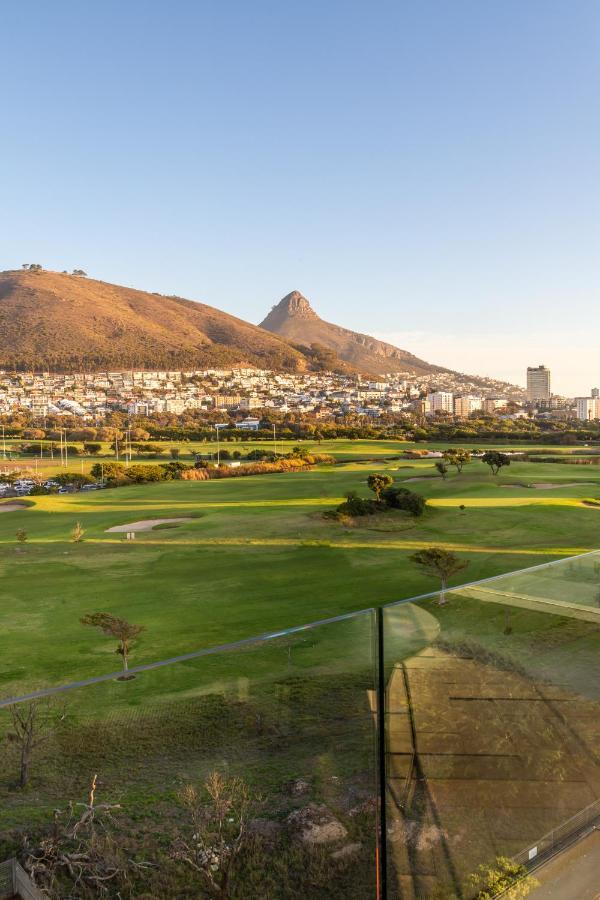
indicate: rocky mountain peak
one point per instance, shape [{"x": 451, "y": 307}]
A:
[{"x": 296, "y": 304}]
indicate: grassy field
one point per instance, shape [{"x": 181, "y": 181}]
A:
[{"x": 256, "y": 555}]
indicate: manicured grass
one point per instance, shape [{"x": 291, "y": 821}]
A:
[{"x": 257, "y": 556}]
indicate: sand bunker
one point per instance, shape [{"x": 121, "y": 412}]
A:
[
  {"x": 418, "y": 478},
  {"x": 147, "y": 524},
  {"x": 13, "y": 507},
  {"x": 549, "y": 486}
]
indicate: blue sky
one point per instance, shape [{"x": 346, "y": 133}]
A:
[{"x": 424, "y": 171}]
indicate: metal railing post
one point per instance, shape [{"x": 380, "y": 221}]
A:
[{"x": 381, "y": 767}]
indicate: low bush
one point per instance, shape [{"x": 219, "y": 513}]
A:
[
  {"x": 359, "y": 506},
  {"x": 402, "y": 498}
]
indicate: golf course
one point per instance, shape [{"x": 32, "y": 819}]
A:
[
  {"x": 254, "y": 555},
  {"x": 494, "y": 685}
]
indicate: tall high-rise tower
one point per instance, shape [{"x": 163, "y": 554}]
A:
[{"x": 538, "y": 383}]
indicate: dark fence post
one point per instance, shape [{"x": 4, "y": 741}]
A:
[{"x": 381, "y": 743}]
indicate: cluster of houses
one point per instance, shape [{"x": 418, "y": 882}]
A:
[{"x": 243, "y": 392}]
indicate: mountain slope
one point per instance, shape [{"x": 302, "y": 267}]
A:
[
  {"x": 295, "y": 320},
  {"x": 65, "y": 323}
]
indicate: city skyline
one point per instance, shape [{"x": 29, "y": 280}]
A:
[{"x": 437, "y": 182}]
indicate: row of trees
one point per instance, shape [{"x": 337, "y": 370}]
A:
[
  {"x": 461, "y": 457},
  {"x": 197, "y": 425},
  {"x": 36, "y": 267}
]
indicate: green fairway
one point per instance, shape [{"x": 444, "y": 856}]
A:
[{"x": 257, "y": 555}]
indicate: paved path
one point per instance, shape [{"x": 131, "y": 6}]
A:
[{"x": 573, "y": 874}]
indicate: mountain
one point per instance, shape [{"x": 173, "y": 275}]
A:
[
  {"x": 66, "y": 323},
  {"x": 295, "y": 320}
]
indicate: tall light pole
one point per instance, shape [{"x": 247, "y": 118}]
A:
[
  {"x": 217, "y": 426},
  {"x": 274, "y": 441}
]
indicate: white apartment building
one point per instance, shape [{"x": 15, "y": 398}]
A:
[
  {"x": 538, "y": 383},
  {"x": 588, "y": 408},
  {"x": 441, "y": 401}
]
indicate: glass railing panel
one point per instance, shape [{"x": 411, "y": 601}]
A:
[
  {"x": 118, "y": 774},
  {"x": 493, "y": 729},
  {"x": 570, "y": 587}
]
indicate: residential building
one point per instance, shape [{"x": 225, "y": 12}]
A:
[
  {"x": 227, "y": 401},
  {"x": 464, "y": 406},
  {"x": 441, "y": 401},
  {"x": 538, "y": 383},
  {"x": 588, "y": 408},
  {"x": 491, "y": 404}
]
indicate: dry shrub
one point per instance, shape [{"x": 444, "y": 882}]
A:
[
  {"x": 195, "y": 475},
  {"x": 288, "y": 464}
]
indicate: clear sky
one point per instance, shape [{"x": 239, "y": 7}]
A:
[{"x": 427, "y": 171}]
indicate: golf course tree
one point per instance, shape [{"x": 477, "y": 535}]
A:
[
  {"x": 72, "y": 479},
  {"x": 114, "y": 627},
  {"x": 495, "y": 460},
  {"x": 92, "y": 447},
  {"x": 442, "y": 468},
  {"x": 32, "y": 724},
  {"x": 439, "y": 563},
  {"x": 457, "y": 458},
  {"x": 21, "y": 535},
  {"x": 378, "y": 482}
]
